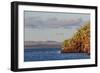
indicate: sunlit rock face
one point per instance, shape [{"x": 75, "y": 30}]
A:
[{"x": 80, "y": 42}]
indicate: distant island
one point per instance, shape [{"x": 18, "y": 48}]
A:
[
  {"x": 80, "y": 42},
  {"x": 42, "y": 44}
]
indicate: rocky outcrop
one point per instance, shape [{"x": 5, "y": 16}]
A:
[{"x": 80, "y": 42}]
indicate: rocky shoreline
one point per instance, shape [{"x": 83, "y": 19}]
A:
[{"x": 80, "y": 42}]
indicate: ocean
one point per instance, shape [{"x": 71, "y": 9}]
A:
[{"x": 46, "y": 54}]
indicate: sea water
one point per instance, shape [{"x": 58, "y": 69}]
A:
[{"x": 45, "y": 54}]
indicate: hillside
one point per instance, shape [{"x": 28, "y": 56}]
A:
[{"x": 80, "y": 42}]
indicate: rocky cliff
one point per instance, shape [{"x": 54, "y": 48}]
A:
[{"x": 80, "y": 42}]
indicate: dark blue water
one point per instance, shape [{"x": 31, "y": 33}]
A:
[{"x": 45, "y": 54}]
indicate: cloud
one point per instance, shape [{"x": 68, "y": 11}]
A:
[
  {"x": 52, "y": 23},
  {"x": 44, "y": 20}
]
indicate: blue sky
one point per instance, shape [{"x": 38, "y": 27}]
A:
[{"x": 52, "y": 26}]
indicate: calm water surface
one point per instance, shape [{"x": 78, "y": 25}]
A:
[{"x": 44, "y": 54}]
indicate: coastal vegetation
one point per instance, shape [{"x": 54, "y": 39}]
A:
[{"x": 80, "y": 42}]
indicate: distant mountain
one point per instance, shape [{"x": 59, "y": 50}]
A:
[{"x": 42, "y": 44}]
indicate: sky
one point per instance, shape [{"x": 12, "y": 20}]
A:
[{"x": 52, "y": 26}]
